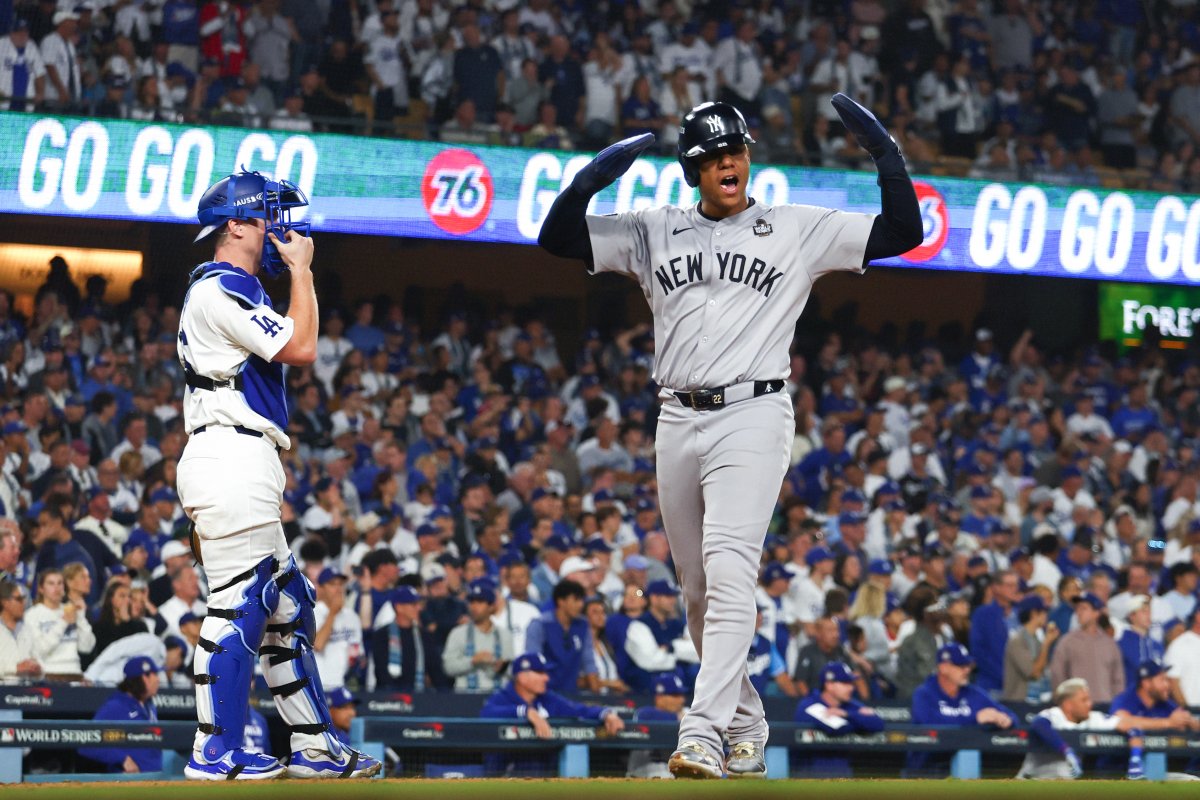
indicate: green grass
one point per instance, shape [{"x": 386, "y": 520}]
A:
[{"x": 603, "y": 789}]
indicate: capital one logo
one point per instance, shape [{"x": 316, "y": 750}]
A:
[{"x": 457, "y": 191}]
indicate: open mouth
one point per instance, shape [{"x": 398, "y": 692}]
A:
[{"x": 729, "y": 185}]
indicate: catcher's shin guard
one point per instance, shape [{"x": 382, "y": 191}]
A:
[
  {"x": 289, "y": 667},
  {"x": 224, "y": 662}
]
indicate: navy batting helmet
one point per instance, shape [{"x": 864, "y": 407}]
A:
[
  {"x": 708, "y": 127},
  {"x": 252, "y": 195}
]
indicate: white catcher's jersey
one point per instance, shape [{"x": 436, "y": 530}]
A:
[
  {"x": 726, "y": 294},
  {"x": 226, "y": 329}
]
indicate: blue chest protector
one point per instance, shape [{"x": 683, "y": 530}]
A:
[{"x": 260, "y": 381}]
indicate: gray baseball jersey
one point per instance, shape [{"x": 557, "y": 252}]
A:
[{"x": 726, "y": 294}]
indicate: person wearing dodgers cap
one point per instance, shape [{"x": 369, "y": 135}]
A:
[
  {"x": 669, "y": 697},
  {"x": 527, "y": 698},
  {"x": 343, "y": 708},
  {"x": 770, "y": 596},
  {"x": 133, "y": 701},
  {"x": 405, "y": 654},
  {"x": 832, "y": 709},
  {"x": 808, "y": 592},
  {"x": 647, "y": 646},
  {"x": 1051, "y": 758},
  {"x": 478, "y": 651},
  {"x": 338, "y": 643},
  {"x": 1149, "y": 703},
  {"x": 947, "y": 697}
]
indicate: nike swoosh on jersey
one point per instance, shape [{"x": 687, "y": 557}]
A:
[{"x": 678, "y": 231}]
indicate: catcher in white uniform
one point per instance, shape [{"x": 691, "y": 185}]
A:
[
  {"x": 726, "y": 280},
  {"x": 233, "y": 346}
]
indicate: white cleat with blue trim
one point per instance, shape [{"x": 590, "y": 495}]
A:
[
  {"x": 235, "y": 765},
  {"x": 320, "y": 764}
]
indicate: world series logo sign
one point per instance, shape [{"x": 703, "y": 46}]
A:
[{"x": 457, "y": 191}]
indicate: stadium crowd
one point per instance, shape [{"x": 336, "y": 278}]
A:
[
  {"x": 467, "y": 495},
  {"x": 1043, "y": 90}
]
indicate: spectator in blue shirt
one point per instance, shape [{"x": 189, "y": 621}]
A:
[
  {"x": 975, "y": 367},
  {"x": 979, "y": 522},
  {"x": 363, "y": 334},
  {"x": 1135, "y": 417},
  {"x": 564, "y": 638},
  {"x": 639, "y": 113},
  {"x": 1150, "y": 698},
  {"x": 852, "y": 525},
  {"x": 527, "y": 698},
  {"x": 833, "y": 710},
  {"x": 133, "y": 701},
  {"x": 811, "y": 477},
  {"x": 343, "y": 708},
  {"x": 949, "y": 698},
  {"x": 990, "y": 626}
]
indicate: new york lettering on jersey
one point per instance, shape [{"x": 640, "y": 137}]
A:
[
  {"x": 683, "y": 270},
  {"x": 726, "y": 293}
]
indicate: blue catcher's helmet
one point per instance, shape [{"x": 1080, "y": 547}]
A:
[{"x": 252, "y": 195}]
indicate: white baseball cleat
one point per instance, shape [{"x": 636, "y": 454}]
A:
[{"x": 235, "y": 765}]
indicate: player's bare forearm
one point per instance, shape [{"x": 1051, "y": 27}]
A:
[{"x": 301, "y": 349}]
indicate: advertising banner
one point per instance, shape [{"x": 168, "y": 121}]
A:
[
  {"x": 1128, "y": 313},
  {"x": 389, "y": 187}
]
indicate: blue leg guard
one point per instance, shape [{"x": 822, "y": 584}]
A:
[
  {"x": 291, "y": 670},
  {"x": 224, "y": 662}
]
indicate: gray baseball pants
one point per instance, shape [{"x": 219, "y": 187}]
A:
[{"x": 719, "y": 475}]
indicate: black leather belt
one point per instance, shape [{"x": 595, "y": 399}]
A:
[
  {"x": 208, "y": 384},
  {"x": 704, "y": 399},
  {"x": 244, "y": 431}
]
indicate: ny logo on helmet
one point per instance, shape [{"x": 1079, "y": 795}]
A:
[{"x": 714, "y": 124}]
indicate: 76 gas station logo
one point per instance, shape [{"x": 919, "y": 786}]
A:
[
  {"x": 457, "y": 191},
  {"x": 935, "y": 222}
]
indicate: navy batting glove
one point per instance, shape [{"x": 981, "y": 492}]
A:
[
  {"x": 611, "y": 163},
  {"x": 868, "y": 130}
]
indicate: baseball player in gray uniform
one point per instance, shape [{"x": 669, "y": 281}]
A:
[
  {"x": 726, "y": 280},
  {"x": 233, "y": 346}
]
